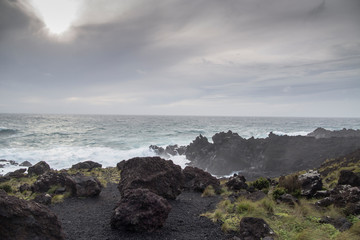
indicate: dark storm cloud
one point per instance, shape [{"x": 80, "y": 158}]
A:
[{"x": 149, "y": 56}]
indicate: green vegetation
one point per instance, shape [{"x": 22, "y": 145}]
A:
[
  {"x": 6, "y": 187},
  {"x": 331, "y": 168},
  {"x": 301, "y": 222},
  {"x": 12, "y": 187},
  {"x": 278, "y": 191},
  {"x": 291, "y": 184},
  {"x": 261, "y": 183},
  {"x": 104, "y": 175},
  {"x": 298, "y": 222},
  {"x": 60, "y": 197},
  {"x": 209, "y": 191}
]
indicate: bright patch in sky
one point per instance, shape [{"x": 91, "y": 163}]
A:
[{"x": 58, "y": 15}]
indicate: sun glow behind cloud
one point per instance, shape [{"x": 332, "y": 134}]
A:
[{"x": 57, "y": 15}]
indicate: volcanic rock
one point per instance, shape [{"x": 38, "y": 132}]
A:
[
  {"x": 271, "y": 156},
  {"x": 140, "y": 210},
  {"x": 17, "y": 173},
  {"x": 237, "y": 182},
  {"x": 254, "y": 229},
  {"x": 310, "y": 183},
  {"x": 48, "y": 179},
  {"x": 86, "y": 165},
  {"x": 341, "y": 224},
  {"x": 323, "y": 133},
  {"x": 322, "y": 194},
  {"x": 345, "y": 194},
  {"x": 25, "y": 164},
  {"x": 43, "y": 199},
  {"x": 288, "y": 199},
  {"x": 171, "y": 150},
  {"x": 349, "y": 178},
  {"x": 83, "y": 186},
  {"x": 325, "y": 202},
  {"x": 160, "y": 151},
  {"x": 24, "y": 187},
  {"x": 39, "y": 168},
  {"x": 197, "y": 179},
  {"x": 160, "y": 176},
  {"x": 27, "y": 220}
]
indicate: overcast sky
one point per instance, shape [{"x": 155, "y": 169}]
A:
[{"x": 182, "y": 57}]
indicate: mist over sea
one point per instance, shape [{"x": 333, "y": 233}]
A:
[{"x": 63, "y": 140}]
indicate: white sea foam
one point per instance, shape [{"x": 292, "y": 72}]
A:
[
  {"x": 64, "y": 157},
  {"x": 298, "y": 133}
]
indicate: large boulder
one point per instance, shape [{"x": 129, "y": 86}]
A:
[
  {"x": 349, "y": 178},
  {"x": 140, "y": 210},
  {"x": 45, "y": 181},
  {"x": 27, "y": 220},
  {"x": 310, "y": 183},
  {"x": 236, "y": 183},
  {"x": 160, "y": 176},
  {"x": 254, "y": 229},
  {"x": 83, "y": 186},
  {"x": 89, "y": 165},
  {"x": 39, "y": 168},
  {"x": 197, "y": 179}
]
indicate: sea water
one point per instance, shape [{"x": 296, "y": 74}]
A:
[{"x": 63, "y": 140}]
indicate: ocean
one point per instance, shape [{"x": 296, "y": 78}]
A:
[{"x": 63, "y": 140}]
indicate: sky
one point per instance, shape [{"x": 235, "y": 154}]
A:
[{"x": 181, "y": 57}]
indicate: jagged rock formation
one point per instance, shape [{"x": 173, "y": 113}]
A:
[
  {"x": 323, "y": 133},
  {"x": 271, "y": 156}
]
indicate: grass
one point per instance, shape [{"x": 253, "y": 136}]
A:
[
  {"x": 6, "y": 187},
  {"x": 289, "y": 223},
  {"x": 104, "y": 175},
  {"x": 209, "y": 191},
  {"x": 12, "y": 187},
  {"x": 60, "y": 197}
]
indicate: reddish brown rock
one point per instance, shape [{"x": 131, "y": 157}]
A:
[
  {"x": 27, "y": 220},
  {"x": 140, "y": 210},
  {"x": 160, "y": 176}
]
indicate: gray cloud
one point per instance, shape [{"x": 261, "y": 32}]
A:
[{"x": 185, "y": 57}]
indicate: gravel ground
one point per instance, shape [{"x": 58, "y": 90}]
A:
[{"x": 90, "y": 218}]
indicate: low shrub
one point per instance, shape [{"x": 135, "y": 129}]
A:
[
  {"x": 278, "y": 191},
  {"x": 261, "y": 183},
  {"x": 6, "y": 187},
  {"x": 290, "y": 183}
]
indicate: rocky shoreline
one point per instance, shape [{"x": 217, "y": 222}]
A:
[
  {"x": 152, "y": 198},
  {"x": 272, "y": 156}
]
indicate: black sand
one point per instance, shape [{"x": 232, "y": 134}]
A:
[{"x": 90, "y": 218}]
